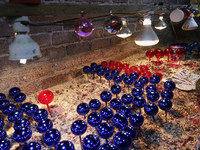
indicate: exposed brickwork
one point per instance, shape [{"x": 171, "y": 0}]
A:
[
  {"x": 6, "y": 30},
  {"x": 39, "y": 29},
  {"x": 101, "y": 43},
  {"x": 117, "y": 40},
  {"x": 97, "y": 33},
  {"x": 77, "y": 48},
  {"x": 4, "y": 47},
  {"x": 41, "y": 39},
  {"x": 120, "y": 1}
]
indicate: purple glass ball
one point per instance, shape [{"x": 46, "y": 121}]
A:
[
  {"x": 3, "y": 103},
  {"x": 153, "y": 96},
  {"x": 169, "y": 85},
  {"x": 138, "y": 84},
  {"x": 106, "y": 113},
  {"x": 131, "y": 131},
  {"x": 31, "y": 109},
  {"x": 78, "y": 127},
  {"x": 14, "y": 90},
  {"x": 19, "y": 97},
  {"x": 139, "y": 101},
  {"x": 24, "y": 106},
  {"x": 151, "y": 88},
  {"x": 165, "y": 104},
  {"x": 83, "y": 108},
  {"x": 65, "y": 145},
  {"x": 2, "y": 96},
  {"x": 44, "y": 125},
  {"x": 106, "y": 96},
  {"x": 21, "y": 123},
  {"x": 108, "y": 146},
  {"x": 94, "y": 104},
  {"x": 127, "y": 98},
  {"x": 105, "y": 130},
  {"x": 40, "y": 114},
  {"x": 1, "y": 123},
  {"x": 151, "y": 109},
  {"x": 22, "y": 134},
  {"x": 116, "y": 89},
  {"x": 119, "y": 120},
  {"x": 51, "y": 137},
  {"x": 94, "y": 119},
  {"x": 167, "y": 94},
  {"x": 15, "y": 116},
  {"x": 115, "y": 103},
  {"x": 122, "y": 140},
  {"x": 126, "y": 110},
  {"x": 4, "y": 144},
  {"x": 136, "y": 119},
  {"x": 137, "y": 92},
  {"x": 9, "y": 108},
  {"x": 2, "y": 134},
  {"x": 31, "y": 146},
  {"x": 91, "y": 142},
  {"x": 154, "y": 79}
]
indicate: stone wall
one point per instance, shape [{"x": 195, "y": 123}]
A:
[{"x": 64, "y": 53}]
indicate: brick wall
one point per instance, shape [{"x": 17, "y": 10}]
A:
[{"x": 64, "y": 53}]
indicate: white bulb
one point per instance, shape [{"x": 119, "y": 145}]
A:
[
  {"x": 176, "y": 15},
  {"x": 22, "y": 61}
]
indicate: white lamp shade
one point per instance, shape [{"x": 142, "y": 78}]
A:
[
  {"x": 125, "y": 31},
  {"x": 176, "y": 15},
  {"x": 23, "y": 47},
  {"x": 160, "y": 25},
  {"x": 147, "y": 37},
  {"x": 190, "y": 24}
]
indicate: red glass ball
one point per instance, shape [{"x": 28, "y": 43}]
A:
[
  {"x": 133, "y": 68},
  {"x": 180, "y": 52},
  {"x": 112, "y": 67},
  {"x": 104, "y": 64},
  {"x": 111, "y": 62},
  {"x": 159, "y": 53},
  {"x": 128, "y": 71},
  {"x": 168, "y": 52},
  {"x": 150, "y": 53},
  {"x": 143, "y": 67},
  {"x": 118, "y": 64},
  {"x": 45, "y": 97},
  {"x": 146, "y": 74},
  {"x": 125, "y": 66}
]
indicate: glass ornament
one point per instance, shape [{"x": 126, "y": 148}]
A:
[
  {"x": 22, "y": 135},
  {"x": 125, "y": 66},
  {"x": 128, "y": 80},
  {"x": 93, "y": 71},
  {"x": 118, "y": 64},
  {"x": 167, "y": 94},
  {"x": 119, "y": 120},
  {"x": 2, "y": 134},
  {"x": 151, "y": 109},
  {"x": 15, "y": 116},
  {"x": 126, "y": 110},
  {"x": 83, "y": 109},
  {"x": 139, "y": 101},
  {"x": 136, "y": 119},
  {"x": 99, "y": 67},
  {"x": 113, "y": 24},
  {"x": 93, "y": 65},
  {"x": 115, "y": 103},
  {"x": 19, "y": 97},
  {"x": 134, "y": 75},
  {"x": 127, "y": 98},
  {"x": 108, "y": 77},
  {"x": 65, "y": 145},
  {"x": 106, "y": 113},
  {"x": 21, "y": 123},
  {"x": 83, "y": 26},
  {"x": 24, "y": 106},
  {"x": 14, "y": 90},
  {"x": 2, "y": 96},
  {"x": 158, "y": 74},
  {"x": 91, "y": 142},
  {"x": 44, "y": 125},
  {"x": 4, "y": 144},
  {"x": 154, "y": 79},
  {"x": 108, "y": 146},
  {"x": 1, "y": 123},
  {"x": 40, "y": 114},
  {"x": 159, "y": 53},
  {"x": 106, "y": 70},
  {"x": 165, "y": 104},
  {"x": 153, "y": 96},
  {"x": 116, "y": 89},
  {"x": 151, "y": 88},
  {"x": 94, "y": 104},
  {"x": 124, "y": 75},
  {"x": 3, "y": 103},
  {"x": 137, "y": 92},
  {"x": 9, "y": 108},
  {"x": 169, "y": 85},
  {"x": 31, "y": 109},
  {"x": 111, "y": 62},
  {"x": 32, "y": 145},
  {"x": 115, "y": 72},
  {"x": 86, "y": 69},
  {"x": 105, "y": 130},
  {"x": 106, "y": 96},
  {"x": 131, "y": 131},
  {"x": 168, "y": 52},
  {"x": 117, "y": 79},
  {"x": 125, "y": 31},
  {"x": 104, "y": 64},
  {"x": 94, "y": 119},
  {"x": 100, "y": 72},
  {"x": 51, "y": 137},
  {"x": 138, "y": 84},
  {"x": 143, "y": 79},
  {"x": 122, "y": 140}
]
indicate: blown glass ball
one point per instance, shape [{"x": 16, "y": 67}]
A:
[
  {"x": 151, "y": 88},
  {"x": 24, "y": 106},
  {"x": 93, "y": 65},
  {"x": 94, "y": 119},
  {"x": 115, "y": 103},
  {"x": 151, "y": 109},
  {"x": 116, "y": 89},
  {"x": 128, "y": 80},
  {"x": 19, "y": 97},
  {"x": 100, "y": 72},
  {"x": 153, "y": 96},
  {"x": 65, "y": 145},
  {"x": 21, "y": 123},
  {"x": 108, "y": 76},
  {"x": 9, "y": 108},
  {"x": 4, "y": 144},
  {"x": 117, "y": 79},
  {"x": 93, "y": 70},
  {"x": 137, "y": 92},
  {"x": 105, "y": 130},
  {"x": 106, "y": 70},
  {"x": 119, "y": 120},
  {"x": 3, "y": 103},
  {"x": 14, "y": 90},
  {"x": 1, "y": 123},
  {"x": 106, "y": 113},
  {"x": 40, "y": 114},
  {"x": 31, "y": 146},
  {"x": 139, "y": 84},
  {"x": 139, "y": 101},
  {"x": 108, "y": 146},
  {"x": 91, "y": 142},
  {"x": 122, "y": 140},
  {"x": 115, "y": 72},
  {"x": 51, "y": 137},
  {"x": 44, "y": 125},
  {"x": 167, "y": 94},
  {"x": 106, "y": 96},
  {"x": 131, "y": 131},
  {"x": 23, "y": 134},
  {"x": 134, "y": 75},
  {"x": 165, "y": 104},
  {"x": 86, "y": 69},
  {"x": 99, "y": 67},
  {"x": 143, "y": 79},
  {"x": 15, "y": 116},
  {"x": 124, "y": 75},
  {"x": 2, "y": 96},
  {"x": 136, "y": 119},
  {"x": 113, "y": 24},
  {"x": 154, "y": 79},
  {"x": 83, "y": 108},
  {"x": 2, "y": 134},
  {"x": 126, "y": 110},
  {"x": 94, "y": 104},
  {"x": 78, "y": 127},
  {"x": 127, "y": 98},
  {"x": 31, "y": 109},
  {"x": 45, "y": 97},
  {"x": 169, "y": 85},
  {"x": 150, "y": 53}
]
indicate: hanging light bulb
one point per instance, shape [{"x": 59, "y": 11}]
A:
[
  {"x": 176, "y": 15},
  {"x": 125, "y": 31},
  {"x": 147, "y": 37},
  {"x": 190, "y": 23},
  {"x": 160, "y": 25},
  {"x": 23, "y": 47}
]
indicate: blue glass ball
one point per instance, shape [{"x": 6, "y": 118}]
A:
[
  {"x": 124, "y": 75},
  {"x": 2, "y": 96},
  {"x": 19, "y": 97},
  {"x": 153, "y": 96},
  {"x": 3, "y": 103},
  {"x": 108, "y": 146},
  {"x": 108, "y": 76},
  {"x": 138, "y": 84},
  {"x": 188, "y": 49},
  {"x": 126, "y": 110},
  {"x": 51, "y": 137},
  {"x": 83, "y": 108},
  {"x": 139, "y": 101},
  {"x": 100, "y": 72},
  {"x": 32, "y": 145},
  {"x": 134, "y": 76},
  {"x": 2, "y": 134},
  {"x": 106, "y": 113},
  {"x": 122, "y": 140},
  {"x": 154, "y": 79},
  {"x": 136, "y": 119},
  {"x": 93, "y": 70},
  {"x": 40, "y": 114},
  {"x": 9, "y": 108},
  {"x": 117, "y": 79},
  {"x": 106, "y": 96},
  {"x": 151, "y": 109},
  {"x": 93, "y": 65},
  {"x": 1, "y": 123},
  {"x": 105, "y": 130},
  {"x": 116, "y": 89},
  {"x": 91, "y": 142},
  {"x": 21, "y": 123},
  {"x": 119, "y": 120},
  {"x": 191, "y": 45},
  {"x": 131, "y": 131},
  {"x": 151, "y": 88},
  {"x": 31, "y": 109},
  {"x": 137, "y": 92},
  {"x": 106, "y": 70},
  {"x": 24, "y": 106},
  {"x": 169, "y": 85},
  {"x": 15, "y": 116},
  {"x": 22, "y": 135},
  {"x": 115, "y": 103},
  {"x": 44, "y": 125},
  {"x": 128, "y": 80},
  {"x": 65, "y": 145},
  {"x": 145, "y": 80},
  {"x": 167, "y": 94},
  {"x": 127, "y": 98},
  {"x": 195, "y": 43},
  {"x": 78, "y": 127},
  {"x": 4, "y": 144},
  {"x": 165, "y": 104},
  {"x": 94, "y": 104},
  {"x": 14, "y": 90},
  {"x": 86, "y": 69},
  {"x": 115, "y": 72},
  {"x": 99, "y": 67},
  {"x": 94, "y": 119}
]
